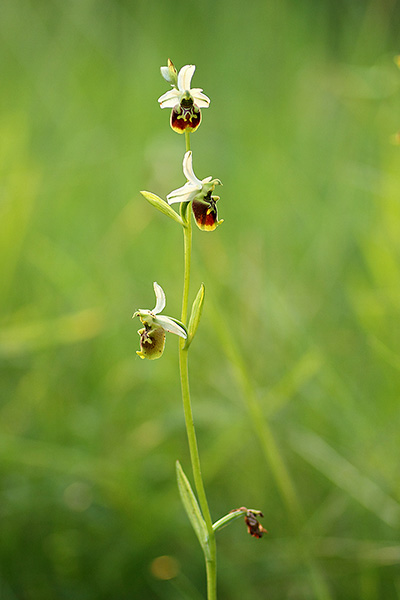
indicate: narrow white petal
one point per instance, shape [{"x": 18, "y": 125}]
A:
[
  {"x": 169, "y": 325},
  {"x": 186, "y": 193},
  {"x": 185, "y": 77},
  {"x": 188, "y": 170},
  {"x": 170, "y": 94},
  {"x": 199, "y": 98},
  {"x": 169, "y": 99},
  {"x": 207, "y": 179},
  {"x": 201, "y": 103},
  {"x": 178, "y": 199},
  {"x": 160, "y": 298},
  {"x": 183, "y": 198},
  {"x": 169, "y": 103}
]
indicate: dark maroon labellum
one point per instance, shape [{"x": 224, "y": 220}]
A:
[
  {"x": 205, "y": 212},
  {"x": 185, "y": 116}
]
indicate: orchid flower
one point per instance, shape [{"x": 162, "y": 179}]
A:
[
  {"x": 184, "y": 100},
  {"x": 152, "y": 335},
  {"x": 199, "y": 193}
]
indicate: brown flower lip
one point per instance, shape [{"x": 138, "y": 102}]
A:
[
  {"x": 205, "y": 212},
  {"x": 185, "y": 116},
  {"x": 152, "y": 342}
]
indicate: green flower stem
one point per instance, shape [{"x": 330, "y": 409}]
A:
[
  {"x": 187, "y": 407},
  {"x": 187, "y": 140},
  {"x": 187, "y": 245},
  {"x": 198, "y": 480},
  {"x": 232, "y": 516}
]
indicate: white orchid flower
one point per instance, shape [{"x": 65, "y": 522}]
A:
[
  {"x": 152, "y": 335},
  {"x": 194, "y": 186},
  {"x": 184, "y": 100},
  {"x": 198, "y": 192},
  {"x": 182, "y": 89}
]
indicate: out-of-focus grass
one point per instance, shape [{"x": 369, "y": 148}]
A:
[{"x": 295, "y": 368}]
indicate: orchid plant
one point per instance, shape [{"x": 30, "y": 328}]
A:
[{"x": 186, "y": 103}]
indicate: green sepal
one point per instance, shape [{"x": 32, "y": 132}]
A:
[
  {"x": 231, "y": 516},
  {"x": 192, "y": 508},
  {"x": 162, "y": 206},
  {"x": 195, "y": 315},
  {"x": 173, "y": 74}
]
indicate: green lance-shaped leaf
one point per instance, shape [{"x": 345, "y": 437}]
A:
[
  {"x": 162, "y": 206},
  {"x": 192, "y": 508},
  {"x": 195, "y": 314}
]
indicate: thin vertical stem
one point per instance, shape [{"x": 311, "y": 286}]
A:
[
  {"x": 196, "y": 468},
  {"x": 187, "y": 244},
  {"x": 187, "y": 140},
  {"x": 187, "y": 407}
]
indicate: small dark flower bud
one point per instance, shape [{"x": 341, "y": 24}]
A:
[{"x": 254, "y": 527}]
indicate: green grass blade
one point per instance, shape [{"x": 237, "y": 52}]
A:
[{"x": 345, "y": 475}]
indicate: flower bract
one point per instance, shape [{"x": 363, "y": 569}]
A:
[
  {"x": 184, "y": 101},
  {"x": 199, "y": 192},
  {"x": 152, "y": 335}
]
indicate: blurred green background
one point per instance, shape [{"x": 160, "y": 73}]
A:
[{"x": 295, "y": 368}]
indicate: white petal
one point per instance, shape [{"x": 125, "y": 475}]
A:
[
  {"x": 199, "y": 98},
  {"x": 185, "y": 77},
  {"x": 160, "y": 298},
  {"x": 169, "y": 99},
  {"x": 182, "y": 198},
  {"x": 207, "y": 179},
  {"x": 165, "y": 74},
  {"x": 201, "y": 103},
  {"x": 186, "y": 193},
  {"x": 169, "y": 325},
  {"x": 188, "y": 170},
  {"x": 169, "y": 103}
]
